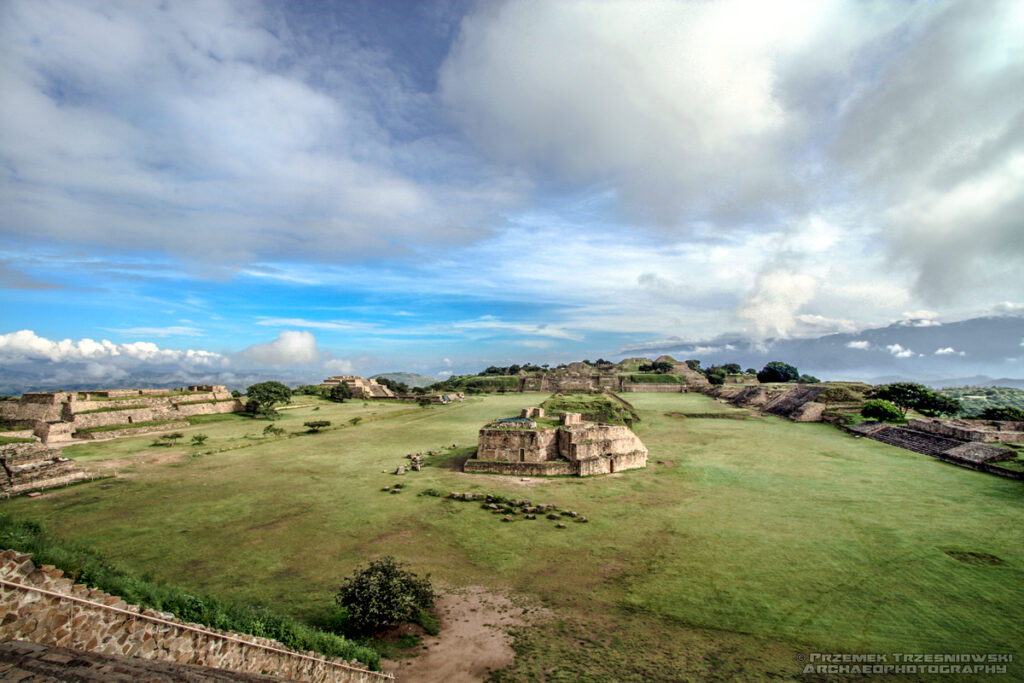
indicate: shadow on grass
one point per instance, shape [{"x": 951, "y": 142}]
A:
[{"x": 452, "y": 459}]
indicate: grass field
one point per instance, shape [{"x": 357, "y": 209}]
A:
[{"x": 752, "y": 542}]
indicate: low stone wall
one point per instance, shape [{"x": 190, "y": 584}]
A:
[
  {"x": 130, "y": 431},
  {"x": 18, "y": 434},
  {"x": 590, "y": 441},
  {"x": 71, "y": 615},
  {"x": 28, "y": 467},
  {"x": 518, "y": 445},
  {"x": 654, "y": 388},
  {"x": 531, "y": 469},
  {"x": 986, "y": 432}
]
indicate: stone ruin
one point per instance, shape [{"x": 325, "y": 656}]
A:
[
  {"x": 56, "y": 416},
  {"x": 26, "y": 467},
  {"x": 359, "y": 386},
  {"x": 521, "y": 446}
]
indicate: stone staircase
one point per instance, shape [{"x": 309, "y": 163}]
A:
[
  {"x": 914, "y": 440},
  {"x": 28, "y": 467}
]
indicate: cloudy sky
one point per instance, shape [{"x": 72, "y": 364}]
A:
[{"x": 313, "y": 187}]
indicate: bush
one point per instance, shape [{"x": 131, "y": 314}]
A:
[
  {"x": 383, "y": 594},
  {"x": 777, "y": 371},
  {"x": 881, "y": 410},
  {"x": 271, "y": 430},
  {"x": 314, "y": 426}
]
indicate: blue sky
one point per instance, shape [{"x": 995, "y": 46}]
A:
[{"x": 307, "y": 188}]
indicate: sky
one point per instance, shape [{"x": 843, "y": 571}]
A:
[{"x": 310, "y": 188}]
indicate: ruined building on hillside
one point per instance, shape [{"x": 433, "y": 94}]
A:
[
  {"x": 522, "y": 446},
  {"x": 359, "y": 386}
]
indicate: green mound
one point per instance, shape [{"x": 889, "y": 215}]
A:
[{"x": 594, "y": 407}]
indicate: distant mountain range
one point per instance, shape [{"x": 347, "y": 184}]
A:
[
  {"x": 411, "y": 378},
  {"x": 941, "y": 354}
]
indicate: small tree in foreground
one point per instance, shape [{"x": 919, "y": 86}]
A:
[
  {"x": 881, "y": 410},
  {"x": 263, "y": 397},
  {"x": 199, "y": 439},
  {"x": 314, "y": 426},
  {"x": 339, "y": 392},
  {"x": 383, "y": 594}
]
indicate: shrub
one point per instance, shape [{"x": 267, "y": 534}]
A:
[
  {"x": 199, "y": 439},
  {"x": 881, "y": 410},
  {"x": 314, "y": 426},
  {"x": 384, "y": 593},
  {"x": 271, "y": 430},
  {"x": 1007, "y": 413}
]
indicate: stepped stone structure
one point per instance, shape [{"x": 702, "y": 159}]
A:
[
  {"x": 796, "y": 402},
  {"x": 574, "y": 447},
  {"x": 40, "y": 605},
  {"x": 60, "y": 416},
  {"x": 360, "y": 386},
  {"x": 28, "y": 467}
]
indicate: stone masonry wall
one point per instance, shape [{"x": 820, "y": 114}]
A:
[
  {"x": 986, "y": 432},
  {"x": 517, "y": 445},
  {"x": 531, "y": 469},
  {"x": 103, "y": 623},
  {"x": 596, "y": 440},
  {"x": 654, "y": 388},
  {"x": 131, "y": 431}
]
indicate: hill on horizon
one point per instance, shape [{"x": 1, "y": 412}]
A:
[{"x": 411, "y": 378}]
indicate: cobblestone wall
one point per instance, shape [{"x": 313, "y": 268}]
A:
[{"x": 103, "y": 623}]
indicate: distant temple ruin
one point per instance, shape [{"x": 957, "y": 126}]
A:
[
  {"x": 359, "y": 386},
  {"x": 522, "y": 446}
]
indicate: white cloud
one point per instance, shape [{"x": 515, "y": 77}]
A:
[
  {"x": 949, "y": 351},
  {"x": 861, "y": 344},
  {"x": 491, "y": 323},
  {"x": 291, "y": 347},
  {"x": 898, "y": 351},
  {"x": 776, "y": 298},
  {"x": 445, "y": 373},
  {"x": 339, "y": 366}
]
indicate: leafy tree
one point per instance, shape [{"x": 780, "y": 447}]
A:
[
  {"x": 235, "y": 393},
  {"x": 314, "y": 426},
  {"x": 904, "y": 395},
  {"x": 1007, "y": 413},
  {"x": 881, "y": 410},
  {"x": 732, "y": 368},
  {"x": 384, "y": 593},
  {"x": 935, "y": 404},
  {"x": 777, "y": 371},
  {"x": 394, "y": 385},
  {"x": 339, "y": 392},
  {"x": 424, "y": 401},
  {"x": 199, "y": 439},
  {"x": 263, "y": 397},
  {"x": 271, "y": 430},
  {"x": 694, "y": 365},
  {"x": 716, "y": 375},
  {"x": 750, "y": 371}
]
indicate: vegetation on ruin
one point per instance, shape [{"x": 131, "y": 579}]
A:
[
  {"x": 882, "y": 411},
  {"x": 113, "y": 409},
  {"x": 14, "y": 439},
  {"x": 655, "y": 378},
  {"x": 743, "y": 544},
  {"x": 83, "y": 565},
  {"x": 593, "y": 407}
]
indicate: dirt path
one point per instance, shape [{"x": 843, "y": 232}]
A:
[{"x": 473, "y": 640}]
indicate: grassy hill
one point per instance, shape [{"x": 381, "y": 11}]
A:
[
  {"x": 977, "y": 399},
  {"x": 743, "y": 546},
  {"x": 410, "y": 378}
]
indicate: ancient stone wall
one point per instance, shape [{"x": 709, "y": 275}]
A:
[
  {"x": 526, "y": 469},
  {"x": 654, "y": 388},
  {"x": 517, "y": 445},
  {"x": 590, "y": 441},
  {"x": 71, "y": 615},
  {"x": 130, "y": 431},
  {"x": 54, "y": 432},
  {"x": 972, "y": 430},
  {"x": 34, "y": 467}
]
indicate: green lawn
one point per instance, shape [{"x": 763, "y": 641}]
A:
[{"x": 755, "y": 541}]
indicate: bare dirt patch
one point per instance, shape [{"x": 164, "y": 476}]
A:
[{"x": 473, "y": 641}]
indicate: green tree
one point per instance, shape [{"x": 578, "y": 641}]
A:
[
  {"x": 904, "y": 395},
  {"x": 935, "y": 404},
  {"x": 881, "y": 410},
  {"x": 1006, "y": 413},
  {"x": 271, "y": 430},
  {"x": 732, "y": 368},
  {"x": 777, "y": 371},
  {"x": 314, "y": 426},
  {"x": 339, "y": 392},
  {"x": 199, "y": 439},
  {"x": 716, "y": 375},
  {"x": 265, "y": 395},
  {"x": 383, "y": 594}
]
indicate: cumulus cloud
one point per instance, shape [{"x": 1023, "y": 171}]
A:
[
  {"x": 949, "y": 351},
  {"x": 899, "y": 351},
  {"x": 290, "y": 348},
  {"x": 772, "y": 307},
  {"x": 861, "y": 344}
]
